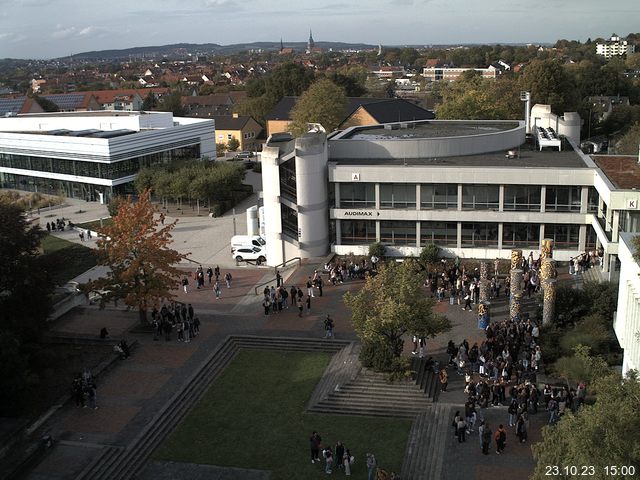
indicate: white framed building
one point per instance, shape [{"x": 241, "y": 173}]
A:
[
  {"x": 93, "y": 155},
  {"x": 477, "y": 189},
  {"x": 615, "y": 47},
  {"x": 451, "y": 74}
]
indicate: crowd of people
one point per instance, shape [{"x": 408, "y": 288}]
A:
[
  {"x": 84, "y": 390},
  {"x": 586, "y": 260},
  {"x": 58, "y": 225},
  {"x": 176, "y": 316}
]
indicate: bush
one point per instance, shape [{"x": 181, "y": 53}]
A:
[
  {"x": 217, "y": 209},
  {"x": 378, "y": 355},
  {"x": 257, "y": 167},
  {"x": 429, "y": 254},
  {"x": 378, "y": 249}
]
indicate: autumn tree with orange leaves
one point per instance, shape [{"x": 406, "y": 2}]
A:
[{"x": 136, "y": 249}]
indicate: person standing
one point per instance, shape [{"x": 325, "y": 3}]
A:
[
  {"x": 185, "y": 284},
  {"x": 278, "y": 279},
  {"x": 314, "y": 444},
  {"x": 346, "y": 462},
  {"x": 91, "y": 390},
  {"x": 501, "y": 439},
  {"x": 300, "y": 306},
  {"x": 328, "y": 458},
  {"x": 216, "y": 290},
  {"x": 308, "y": 302},
  {"x": 328, "y": 326},
  {"x": 461, "y": 426},
  {"x": 209, "y": 274},
  {"x": 339, "y": 449},
  {"x": 266, "y": 304},
  {"x": 371, "y": 466},
  {"x": 444, "y": 380},
  {"x": 486, "y": 439},
  {"x": 216, "y": 272},
  {"x": 310, "y": 288},
  {"x": 228, "y": 278}
]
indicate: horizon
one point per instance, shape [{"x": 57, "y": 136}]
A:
[{"x": 43, "y": 29}]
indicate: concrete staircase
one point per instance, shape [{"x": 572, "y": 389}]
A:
[
  {"x": 424, "y": 455},
  {"x": 370, "y": 394},
  {"x": 118, "y": 463}
]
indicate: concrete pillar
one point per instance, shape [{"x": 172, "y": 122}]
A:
[
  {"x": 543, "y": 198},
  {"x": 584, "y": 200},
  {"x": 338, "y": 232},
  {"x": 615, "y": 225},
  {"x": 272, "y": 211},
  {"x": 582, "y": 238},
  {"x": 500, "y": 232},
  {"x": 501, "y": 198},
  {"x": 377, "y": 192},
  {"x": 459, "y": 198},
  {"x": 549, "y": 301}
]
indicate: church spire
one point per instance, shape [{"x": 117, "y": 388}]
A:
[{"x": 310, "y": 43}]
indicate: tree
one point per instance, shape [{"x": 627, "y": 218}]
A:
[
  {"x": 392, "y": 304},
  {"x": 377, "y": 249},
  {"x": 429, "y": 255},
  {"x": 629, "y": 143},
  {"x": 46, "y": 104},
  {"x": 172, "y": 102},
  {"x": 598, "y": 435},
  {"x": 136, "y": 250},
  {"x": 24, "y": 301},
  {"x": 150, "y": 102},
  {"x": 220, "y": 149},
  {"x": 324, "y": 103},
  {"x": 233, "y": 144},
  {"x": 550, "y": 84}
]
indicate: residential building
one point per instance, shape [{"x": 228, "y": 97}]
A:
[
  {"x": 208, "y": 106},
  {"x": 94, "y": 155},
  {"x": 602, "y": 106},
  {"x": 243, "y": 128},
  {"x": 614, "y": 47},
  {"x": 360, "y": 111}
]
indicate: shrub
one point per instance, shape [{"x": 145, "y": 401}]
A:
[
  {"x": 378, "y": 249},
  {"x": 217, "y": 209},
  {"x": 377, "y": 355},
  {"x": 429, "y": 254}
]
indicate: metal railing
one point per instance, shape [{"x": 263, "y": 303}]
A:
[{"x": 275, "y": 271}]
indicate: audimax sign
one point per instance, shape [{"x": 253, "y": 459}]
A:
[{"x": 360, "y": 213}]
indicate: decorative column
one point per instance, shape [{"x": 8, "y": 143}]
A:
[
  {"x": 484, "y": 283},
  {"x": 547, "y": 270},
  {"x": 549, "y": 301},
  {"x": 516, "y": 281},
  {"x": 514, "y": 306},
  {"x": 547, "y": 248},
  {"x": 516, "y": 259}
]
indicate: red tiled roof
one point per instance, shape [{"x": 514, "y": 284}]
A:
[{"x": 623, "y": 171}]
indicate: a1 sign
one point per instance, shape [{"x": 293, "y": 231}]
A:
[
  {"x": 632, "y": 204},
  {"x": 355, "y": 177}
]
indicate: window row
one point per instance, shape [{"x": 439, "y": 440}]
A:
[
  {"x": 474, "y": 197},
  {"x": 113, "y": 170},
  {"x": 445, "y": 234}
]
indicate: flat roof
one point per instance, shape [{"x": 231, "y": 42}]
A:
[
  {"x": 428, "y": 129},
  {"x": 622, "y": 170},
  {"x": 89, "y": 113},
  {"x": 526, "y": 157}
]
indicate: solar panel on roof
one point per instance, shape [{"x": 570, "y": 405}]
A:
[
  {"x": 66, "y": 101},
  {"x": 11, "y": 105},
  {"x": 59, "y": 131},
  {"x": 83, "y": 133}
]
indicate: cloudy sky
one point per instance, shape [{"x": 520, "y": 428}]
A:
[{"x": 54, "y": 28}]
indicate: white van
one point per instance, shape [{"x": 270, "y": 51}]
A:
[{"x": 238, "y": 241}]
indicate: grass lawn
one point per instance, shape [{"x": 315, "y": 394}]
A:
[
  {"x": 253, "y": 417},
  {"x": 66, "y": 260},
  {"x": 95, "y": 225}
]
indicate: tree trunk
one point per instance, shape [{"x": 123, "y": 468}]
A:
[{"x": 142, "y": 313}]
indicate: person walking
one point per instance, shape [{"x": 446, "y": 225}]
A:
[
  {"x": 339, "y": 451},
  {"x": 444, "y": 379},
  {"x": 371, "y": 466},
  {"x": 501, "y": 439},
  {"x": 461, "y": 426},
  {"x": 185, "y": 283},
  {"x": 228, "y": 278},
  {"x": 266, "y": 304},
  {"x": 328, "y": 326},
  {"x": 216, "y": 290},
  {"x": 91, "y": 390},
  {"x": 310, "y": 288},
  {"x": 314, "y": 444},
  {"x": 209, "y": 274},
  {"x": 300, "y": 306},
  {"x": 328, "y": 458}
]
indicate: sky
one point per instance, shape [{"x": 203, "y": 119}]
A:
[{"x": 57, "y": 28}]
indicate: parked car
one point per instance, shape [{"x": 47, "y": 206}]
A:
[
  {"x": 249, "y": 253},
  {"x": 243, "y": 155}
]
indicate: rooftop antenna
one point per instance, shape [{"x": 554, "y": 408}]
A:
[{"x": 526, "y": 98}]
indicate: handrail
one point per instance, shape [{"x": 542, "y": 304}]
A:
[{"x": 283, "y": 264}]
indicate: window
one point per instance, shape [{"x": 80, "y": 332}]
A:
[
  {"x": 439, "y": 196},
  {"x": 592, "y": 239},
  {"x": 229, "y": 136},
  {"x": 593, "y": 199},
  {"x": 357, "y": 232},
  {"x": 565, "y": 237},
  {"x": 289, "y": 221},
  {"x": 480, "y": 197},
  {"x": 480, "y": 235},
  {"x": 357, "y": 195},
  {"x": 443, "y": 234},
  {"x": 522, "y": 198},
  {"x": 520, "y": 235},
  {"x": 398, "y": 233},
  {"x": 220, "y": 137},
  {"x": 288, "y": 186},
  {"x": 563, "y": 199},
  {"x": 397, "y": 195}
]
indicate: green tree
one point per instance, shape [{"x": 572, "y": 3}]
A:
[
  {"x": 377, "y": 249},
  {"x": 392, "y": 304},
  {"x": 629, "y": 143},
  {"x": 46, "y": 104},
  {"x": 24, "y": 301},
  {"x": 172, "y": 102},
  {"x": 429, "y": 255},
  {"x": 598, "y": 435},
  {"x": 324, "y": 103},
  {"x": 550, "y": 84},
  {"x": 220, "y": 149},
  {"x": 150, "y": 102},
  {"x": 233, "y": 144},
  {"x": 141, "y": 264}
]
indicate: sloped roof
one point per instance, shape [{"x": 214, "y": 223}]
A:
[
  {"x": 282, "y": 110},
  {"x": 70, "y": 101},
  {"x": 12, "y": 106},
  {"x": 228, "y": 122},
  {"x": 397, "y": 110}
]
